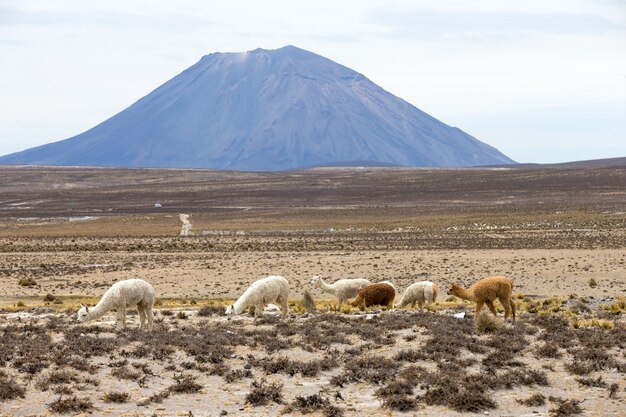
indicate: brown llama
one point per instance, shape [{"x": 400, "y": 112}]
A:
[
  {"x": 375, "y": 294},
  {"x": 486, "y": 291}
]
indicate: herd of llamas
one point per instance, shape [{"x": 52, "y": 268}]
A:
[{"x": 357, "y": 292}]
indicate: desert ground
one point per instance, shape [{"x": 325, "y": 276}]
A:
[{"x": 201, "y": 237}]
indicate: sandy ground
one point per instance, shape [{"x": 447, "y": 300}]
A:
[{"x": 542, "y": 273}]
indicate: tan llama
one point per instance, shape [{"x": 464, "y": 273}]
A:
[{"x": 486, "y": 291}]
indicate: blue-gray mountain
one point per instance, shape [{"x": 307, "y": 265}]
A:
[{"x": 267, "y": 110}]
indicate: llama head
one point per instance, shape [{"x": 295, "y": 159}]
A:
[
  {"x": 454, "y": 289},
  {"x": 230, "y": 310},
  {"x": 82, "y": 313},
  {"x": 316, "y": 279}
]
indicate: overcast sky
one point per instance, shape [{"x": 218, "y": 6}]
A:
[{"x": 543, "y": 81}]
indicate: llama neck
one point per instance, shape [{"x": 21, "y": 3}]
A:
[
  {"x": 324, "y": 285},
  {"x": 465, "y": 294},
  {"x": 240, "y": 304},
  {"x": 103, "y": 307}
]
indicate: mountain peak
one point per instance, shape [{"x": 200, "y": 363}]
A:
[{"x": 266, "y": 110}]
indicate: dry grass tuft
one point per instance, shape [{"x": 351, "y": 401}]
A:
[{"x": 487, "y": 322}]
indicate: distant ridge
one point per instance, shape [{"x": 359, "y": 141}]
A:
[
  {"x": 267, "y": 110},
  {"x": 590, "y": 163}
]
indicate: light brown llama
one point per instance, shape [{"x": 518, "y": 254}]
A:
[
  {"x": 375, "y": 294},
  {"x": 486, "y": 291}
]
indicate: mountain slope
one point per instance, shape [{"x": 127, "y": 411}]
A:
[{"x": 263, "y": 111}]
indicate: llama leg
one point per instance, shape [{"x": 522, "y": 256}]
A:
[
  {"x": 413, "y": 304},
  {"x": 492, "y": 307},
  {"x": 150, "y": 318},
  {"x": 421, "y": 304},
  {"x": 282, "y": 303},
  {"x": 479, "y": 306},
  {"x": 258, "y": 310},
  {"x": 506, "y": 303},
  {"x": 121, "y": 318},
  {"x": 513, "y": 308},
  {"x": 142, "y": 316}
]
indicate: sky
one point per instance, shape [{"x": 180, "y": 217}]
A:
[{"x": 542, "y": 81}]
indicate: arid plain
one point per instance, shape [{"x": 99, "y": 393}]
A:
[{"x": 559, "y": 232}]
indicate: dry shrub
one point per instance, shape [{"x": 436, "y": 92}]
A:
[
  {"x": 548, "y": 350},
  {"x": 373, "y": 369},
  {"x": 159, "y": 396},
  {"x": 291, "y": 367},
  {"x": 262, "y": 393},
  {"x": 590, "y": 382},
  {"x": 613, "y": 388},
  {"x": 116, "y": 397},
  {"x": 585, "y": 361},
  {"x": 184, "y": 385},
  {"x": 313, "y": 403},
  {"x": 400, "y": 402},
  {"x": 535, "y": 400},
  {"x": 396, "y": 395},
  {"x": 71, "y": 405},
  {"x": 211, "y": 310},
  {"x": 409, "y": 355},
  {"x": 124, "y": 372},
  {"x": 58, "y": 377},
  {"x": 237, "y": 374},
  {"x": 9, "y": 389},
  {"x": 565, "y": 408}
]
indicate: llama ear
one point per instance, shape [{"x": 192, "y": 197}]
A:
[{"x": 86, "y": 309}]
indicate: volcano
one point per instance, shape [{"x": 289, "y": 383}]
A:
[{"x": 267, "y": 110}]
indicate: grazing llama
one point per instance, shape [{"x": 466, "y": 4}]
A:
[
  {"x": 342, "y": 289},
  {"x": 376, "y": 294},
  {"x": 123, "y": 294},
  {"x": 419, "y": 292},
  {"x": 486, "y": 291},
  {"x": 263, "y": 291}
]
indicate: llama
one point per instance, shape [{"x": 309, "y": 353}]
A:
[
  {"x": 374, "y": 294},
  {"x": 342, "y": 289},
  {"x": 419, "y": 292},
  {"x": 486, "y": 291},
  {"x": 123, "y": 294},
  {"x": 261, "y": 292}
]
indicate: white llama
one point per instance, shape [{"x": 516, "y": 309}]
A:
[
  {"x": 343, "y": 288},
  {"x": 263, "y": 291},
  {"x": 123, "y": 294},
  {"x": 419, "y": 292}
]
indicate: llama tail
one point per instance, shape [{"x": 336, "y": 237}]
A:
[{"x": 511, "y": 281}]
